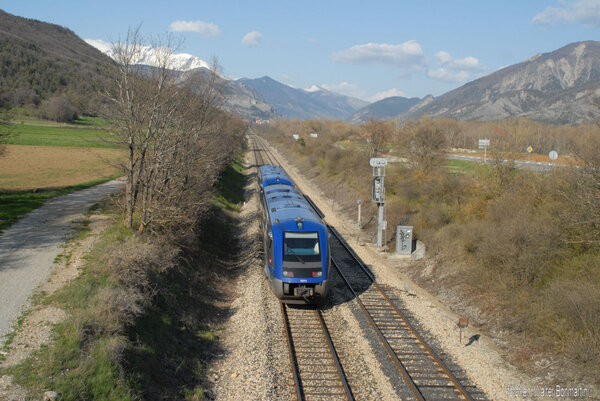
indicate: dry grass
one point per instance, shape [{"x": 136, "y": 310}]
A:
[{"x": 25, "y": 168}]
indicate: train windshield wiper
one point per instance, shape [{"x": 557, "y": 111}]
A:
[{"x": 297, "y": 257}]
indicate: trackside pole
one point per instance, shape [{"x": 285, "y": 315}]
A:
[{"x": 378, "y": 166}]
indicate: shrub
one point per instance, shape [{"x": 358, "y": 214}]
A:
[{"x": 60, "y": 109}]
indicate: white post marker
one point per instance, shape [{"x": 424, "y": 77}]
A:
[{"x": 483, "y": 144}]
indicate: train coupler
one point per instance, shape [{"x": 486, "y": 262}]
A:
[{"x": 303, "y": 292}]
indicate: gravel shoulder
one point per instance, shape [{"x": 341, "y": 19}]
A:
[{"x": 28, "y": 248}]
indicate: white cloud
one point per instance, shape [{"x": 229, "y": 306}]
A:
[
  {"x": 467, "y": 63},
  {"x": 251, "y": 39},
  {"x": 387, "y": 93},
  {"x": 445, "y": 75},
  {"x": 405, "y": 55},
  {"x": 345, "y": 88},
  {"x": 104, "y": 47},
  {"x": 586, "y": 12},
  {"x": 455, "y": 69},
  {"x": 206, "y": 29},
  {"x": 312, "y": 40}
]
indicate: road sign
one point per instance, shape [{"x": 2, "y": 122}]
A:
[
  {"x": 483, "y": 144},
  {"x": 378, "y": 162},
  {"x": 553, "y": 155},
  {"x": 530, "y": 149}
]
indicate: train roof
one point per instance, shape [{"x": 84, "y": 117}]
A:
[
  {"x": 285, "y": 204},
  {"x": 285, "y": 210},
  {"x": 271, "y": 175}
]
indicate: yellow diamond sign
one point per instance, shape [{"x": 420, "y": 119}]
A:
[{"x": 530, "y": 149}]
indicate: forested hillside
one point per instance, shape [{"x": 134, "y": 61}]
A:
[{"x": 40, "y": 60}]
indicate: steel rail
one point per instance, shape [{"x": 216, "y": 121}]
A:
[
  {"x": 340, "y": 369},
  {"x": 393, "y": 356},
  {"x": 288, "y": 336},
  {"x": 456, "y": 383},
  {"x": 330, "y": 359}
]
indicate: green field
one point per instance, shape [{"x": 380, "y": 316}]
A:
[
  {"x": 49, "y": 164},
  {"x": 33, "y": 133},
  {"x": 461, "y": 165}
]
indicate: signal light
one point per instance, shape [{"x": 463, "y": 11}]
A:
[{"x": 270, "y": 260}]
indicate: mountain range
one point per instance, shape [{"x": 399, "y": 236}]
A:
[
  {"x": 556, "y": 87},
  {"x": 40, "y": 60},
  {"x": 260, "y": 98}
]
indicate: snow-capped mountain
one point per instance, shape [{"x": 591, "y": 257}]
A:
[
  {"x": 314, "y": 88},
  {"x": 149, "y": 56}
]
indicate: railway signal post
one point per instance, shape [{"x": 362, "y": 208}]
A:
[{"x": 378, "y": 165}]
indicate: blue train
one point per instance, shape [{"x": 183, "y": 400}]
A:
[{"x": 296, "y": 241}]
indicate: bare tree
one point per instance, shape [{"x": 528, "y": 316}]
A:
[
  {"x": 377, "y": 134},
  {"x": 60, "y": 109},
  {"x": 423, "y": 140},
  {"x": 176, "y": 136}
]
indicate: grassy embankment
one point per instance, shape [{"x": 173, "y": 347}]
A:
[
  {"x": 143, "y": 318},
  {"x": 518, "y": 245},
  {"x": 42, "y": 160}
]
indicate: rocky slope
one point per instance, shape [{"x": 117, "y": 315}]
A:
[
  {"x": 557, "y": 87},
  {"x": 384, "y": 109},
  {"x": 298, "y": 103}
]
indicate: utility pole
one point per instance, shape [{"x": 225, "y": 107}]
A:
[{"x": 378, "y": 166}]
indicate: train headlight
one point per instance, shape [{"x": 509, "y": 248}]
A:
[
  {"x": 288, "y": 273},
  {"x": 317, "y": 274}
]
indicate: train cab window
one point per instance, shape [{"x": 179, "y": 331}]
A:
[{"x": 301, "y": 247}]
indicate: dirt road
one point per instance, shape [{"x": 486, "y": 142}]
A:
[{"x": 29, "y": 247}]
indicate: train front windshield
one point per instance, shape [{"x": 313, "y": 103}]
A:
[{"x": 301, "y": 247}]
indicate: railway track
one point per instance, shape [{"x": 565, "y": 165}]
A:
[
  {"x": 317, "y": 371},
  {"x": 424, "y": 372}
]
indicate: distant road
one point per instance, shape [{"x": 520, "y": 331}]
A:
[
  {"x": 522, "y": 164},
  {"x": 28, "y": 248}
]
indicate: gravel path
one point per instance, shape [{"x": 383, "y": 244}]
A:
[{"x": 28, "y": 248}]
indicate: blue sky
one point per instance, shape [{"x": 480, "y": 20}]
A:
[{"x": 408, "y": 48}]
